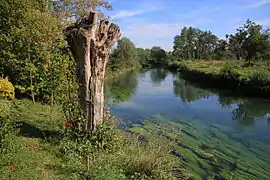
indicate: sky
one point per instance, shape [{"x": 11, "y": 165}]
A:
[{"x": 151, "y": 23}]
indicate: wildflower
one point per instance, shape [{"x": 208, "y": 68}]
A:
[
  {"x": 10, "y": 168},
  {"x": 37, "y": 147},
  {"x": 31, "y": 148},
  {"x": 68, "y": 124}
]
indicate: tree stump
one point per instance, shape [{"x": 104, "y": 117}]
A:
[{"x": 90, "y": 42}]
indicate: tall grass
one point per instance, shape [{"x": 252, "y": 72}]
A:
[{"x": 38, "y": 152}]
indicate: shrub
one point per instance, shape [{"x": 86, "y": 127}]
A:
[
  {"x": 228, "y": 68},
  {"x": 106, "y": 138},
  {"x": 6, "y": 89},
  {"x": 6, "y": 127}
]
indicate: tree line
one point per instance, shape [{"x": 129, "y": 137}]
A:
[
  {"x": 127, "y": 55},
  {"x": 35, "y": 58},
  {"x": 250, "y": 42}
]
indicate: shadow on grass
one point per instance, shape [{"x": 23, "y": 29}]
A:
[{"x": 31, "y": 131}]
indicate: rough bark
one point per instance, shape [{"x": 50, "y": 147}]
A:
[{"x": 90, "y": 42}]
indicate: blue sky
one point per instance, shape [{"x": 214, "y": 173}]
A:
[{"x": 156, "y": 22}]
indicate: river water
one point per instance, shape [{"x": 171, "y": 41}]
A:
[{"x": 222, "y": 136}]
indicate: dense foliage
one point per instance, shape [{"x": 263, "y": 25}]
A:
[
  {"x": 250, "y": 42},
  {"x": 124, "y": 56},
  {"x": 251, "y": 79},
  {"x": 33, "y": 50},
  {"x": 194, "y": 43},
  {"x": 6, "y": 89}
]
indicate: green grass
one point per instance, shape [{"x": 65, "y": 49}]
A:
[
  {"x": 240, "y": 68},
  {"x": 43, "y": 126},
  {"x": 252, "y": 78}
]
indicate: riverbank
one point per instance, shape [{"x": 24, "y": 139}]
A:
[
  {"x": 111, "y": 74},
  {"x": 238, "y": 76},
  {"x": 38, "y": 149}
]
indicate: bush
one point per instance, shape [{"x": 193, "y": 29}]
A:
[
  {"x": 228, "y": 67},
  {"x": 106, "y": 138},
  {"x": 110, "y": 152},
  {"x": 6, "y": 89},
  {"x": 6, "y": 127}
]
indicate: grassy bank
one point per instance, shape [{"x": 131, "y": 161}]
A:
[
  {"x": 118, "y": 72},
  {"x": 248, "y": 78},
  {"x": 39, "y": 149}
]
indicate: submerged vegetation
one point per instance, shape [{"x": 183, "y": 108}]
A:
[{"x": 221, "y": 154}]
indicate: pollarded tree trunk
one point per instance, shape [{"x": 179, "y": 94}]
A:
[{"x": 90, "y": 42}]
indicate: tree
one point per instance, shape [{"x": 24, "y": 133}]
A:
[
  {"x": 26, "y": 53},
  {"x": 90, "y": 43},
  {"x": 124, "y": 55},
  {"x": 194, "y": 43},
  {"x": 222, "y": 51},
  {"x": 250, "y": 42},
  {"x": 158, "y": 56},
  {"x": 143, "y": 56},
  {"x": 70, "y": 10}
]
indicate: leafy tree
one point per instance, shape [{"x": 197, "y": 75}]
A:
[
  {"x": 222, "y": 51},
  {"x": 124, "y": 55},
  {"x": 143, "y": 56},
  {"x": 31, "y": 42},
  {"x": 194, "y": 43},
  {"x": 250, "y": 42},
  {"x": 68, "y": 10},
  {"x": 158, "y": 56}
]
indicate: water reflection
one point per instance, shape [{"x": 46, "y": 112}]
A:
[
  {"x": 121, "y": 89},
  {"x": 246, "y": 111},
  {"x": 218, "y": 132},
  {"x": 188, "y": 92},
  {"x": 158, "y": 75}
]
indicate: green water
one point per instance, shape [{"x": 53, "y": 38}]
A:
[{"x": 216, "y": 135}]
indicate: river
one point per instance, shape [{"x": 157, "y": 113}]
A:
[{"x": 222, "y": 136}]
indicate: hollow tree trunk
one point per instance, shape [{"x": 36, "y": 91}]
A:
[{"x": 90, "y": 43}]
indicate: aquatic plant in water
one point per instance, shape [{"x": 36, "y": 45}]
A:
[{"x": 210, "y": 151}]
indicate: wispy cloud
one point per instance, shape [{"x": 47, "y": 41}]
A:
[
  {"x": 146, "y": 34},
  {"x": 260, "y": 3},
  {"x": 151, "y": 29},
  {"x": 128, "y": 13},
  {"x": 205, "y": 10}
]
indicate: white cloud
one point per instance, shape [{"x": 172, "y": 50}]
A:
[{"x": 260, "y": 3}]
